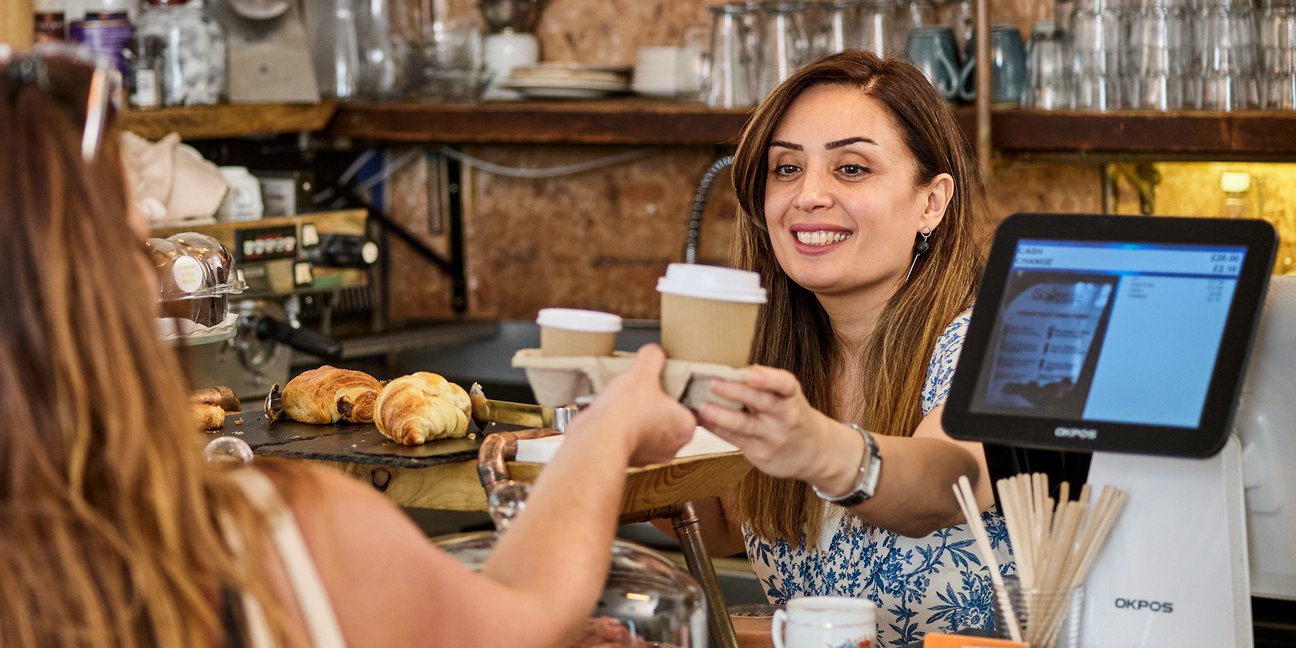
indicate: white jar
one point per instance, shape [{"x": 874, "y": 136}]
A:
[{"x": 191, "y": 51}]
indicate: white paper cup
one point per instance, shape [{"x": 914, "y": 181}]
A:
[
  {"x": 709, "y": 313},
  {"x": 572, "y": 332}
]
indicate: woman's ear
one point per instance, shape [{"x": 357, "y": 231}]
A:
[{"x": 938, "y": 193}]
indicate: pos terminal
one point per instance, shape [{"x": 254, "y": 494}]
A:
[{"x": 1113, "y": 349}]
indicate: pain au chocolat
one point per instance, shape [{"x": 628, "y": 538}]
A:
[
  {"x": 422, "y": 407},
  {"x": 329, "y": 395}
]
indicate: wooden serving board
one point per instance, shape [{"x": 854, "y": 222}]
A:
[{"x": 351, "y": 443}]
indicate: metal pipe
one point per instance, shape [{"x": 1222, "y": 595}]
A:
[
  {"x": 699, "y": 201},
  {"x": 689, "y": 532},
  {"x": 983, "y": 141}
]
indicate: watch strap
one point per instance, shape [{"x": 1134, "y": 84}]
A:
[{"x": 869, "y": 470}]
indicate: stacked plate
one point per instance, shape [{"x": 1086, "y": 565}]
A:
[{"x": 568, "y": 81}]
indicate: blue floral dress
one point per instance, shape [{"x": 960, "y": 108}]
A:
[{"x": 920, "y": 585}]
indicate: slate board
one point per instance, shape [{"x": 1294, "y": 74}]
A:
[{"x": 352, "y": 442}]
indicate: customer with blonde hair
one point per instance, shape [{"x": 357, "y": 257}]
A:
[
  {"x": 858, "y": 203},
  {"x": 113, "y": 530}
]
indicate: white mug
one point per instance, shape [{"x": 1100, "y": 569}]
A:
[{"x": 826, "y": 622}]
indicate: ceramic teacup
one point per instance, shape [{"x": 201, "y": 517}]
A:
[
  {"x": 1007, "y": 67},
  {"x": 819, "y": 621}
]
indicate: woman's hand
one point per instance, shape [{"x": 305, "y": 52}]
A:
[
  {"x": 781, "y": 434},
  {"x": 655, "y": 425}
]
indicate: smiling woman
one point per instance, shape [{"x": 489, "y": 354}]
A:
[{"x": 857, "y": 197}]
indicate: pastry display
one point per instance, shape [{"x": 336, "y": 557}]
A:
[
  {"x": 328, "y": 395},
  {"x": 422, "y": 407}
]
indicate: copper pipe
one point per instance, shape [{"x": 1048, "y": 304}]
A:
[
  {"x": 983, "y": 145},
  {"x": 689, "y": 532},
  {"x": 495, "y": 453}
]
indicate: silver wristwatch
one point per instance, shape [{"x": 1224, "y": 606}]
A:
[{"x": 869, "y": 470}]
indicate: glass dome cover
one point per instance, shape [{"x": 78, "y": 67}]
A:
[
  {"x": 648, "y": 601},
  {"x": 196, "y": 276}
]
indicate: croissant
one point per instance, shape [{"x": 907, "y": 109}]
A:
[
  {"x": 328, "y": 395},
  {"x": 422, "y": 407},
  {"x": 208, "y": 416}
]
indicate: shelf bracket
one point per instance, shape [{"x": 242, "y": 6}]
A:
[{"x": 1143, "y": 176}]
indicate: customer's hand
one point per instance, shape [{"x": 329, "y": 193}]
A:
[
  {"x": 781, "y": 434},
  {"x": 655, "y": 425}
]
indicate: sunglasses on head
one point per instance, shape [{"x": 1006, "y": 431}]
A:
[{"x": 62, "y": 71}]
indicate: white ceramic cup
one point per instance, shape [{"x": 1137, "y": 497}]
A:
[
  {"x": 574, "y": 332},
  {"x": 503, "y": 52},
  {"x": 826, "y": 621}
]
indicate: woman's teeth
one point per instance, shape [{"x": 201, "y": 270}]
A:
[{"x": 821, "y": 237}]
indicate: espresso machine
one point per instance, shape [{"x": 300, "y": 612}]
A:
[{"x": 288, "y": 264}]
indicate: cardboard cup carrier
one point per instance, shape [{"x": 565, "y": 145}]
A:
[
  {"x": 709, "y": 313},
  {"x": 571, "y": 332}
]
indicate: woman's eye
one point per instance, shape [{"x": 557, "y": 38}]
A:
[
  {"x": 852, "y": 170},
  {"x": 785, "y": 170}
]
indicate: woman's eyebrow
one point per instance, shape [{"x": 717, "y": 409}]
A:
[
  {"x": 848, "y": 141},
  {"x": 786, "y": 145}
]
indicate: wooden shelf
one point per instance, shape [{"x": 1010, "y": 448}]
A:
[
  {"x": 645, "y": 122},
  {"x": 1257, "y": 134},
  {"x": 614, "y": 121},
  {"x": 213, "y": 122}
]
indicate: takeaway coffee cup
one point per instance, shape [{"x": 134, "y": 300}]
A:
[
  {"x": 572, "y": 332},
  {"x": 817, "y": 621},
  {"x": 709, "y": 313}
]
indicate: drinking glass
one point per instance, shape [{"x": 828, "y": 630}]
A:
[
  {"x": 840, "y": 26},
  {"x": 335, "y": 49},
  {"x": 1095, "y": 54},
  {"x": 877, "y": 24},
  {"x": 731, "y": 77},
  {"x": 784, "y": 45},
  {"x": 1047, "y": 84},
  {"x": 1227, "y": 52},
  {"x": 1278, "y": 55},
  {"x": 911, "y": 14},
  {"x": 1047, "y": 618},
  {"x": 1158, "y": 61}
]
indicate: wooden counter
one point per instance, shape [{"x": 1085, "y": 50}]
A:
[{"x": 454, "y": 486}]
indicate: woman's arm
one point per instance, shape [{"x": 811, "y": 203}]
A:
[
  {"x": 389, "y": 584},
  {"x": 782, "y": 435}
]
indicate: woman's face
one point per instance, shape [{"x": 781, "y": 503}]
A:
[{"x": 841, "y": 202}]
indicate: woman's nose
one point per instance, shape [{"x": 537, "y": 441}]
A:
[{"x": 815, "y": 192}]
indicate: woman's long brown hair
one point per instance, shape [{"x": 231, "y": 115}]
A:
[
  {"x": 107, "y": 510},
  {"x": 794, "y": 332}
]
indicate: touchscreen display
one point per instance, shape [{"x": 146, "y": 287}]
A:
[{"x": 1108, "y": 332}]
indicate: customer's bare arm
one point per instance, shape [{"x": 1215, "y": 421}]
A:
[{"x": 390, "y": 585}]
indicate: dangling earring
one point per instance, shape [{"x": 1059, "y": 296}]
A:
[
  {"x": 919, "y": 250},
  {"x": 923, "y": 245}
]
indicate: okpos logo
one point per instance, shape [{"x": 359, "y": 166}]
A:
[
  {"x": 1139, "y": 605},
  {"x": 1088, "y": 434}
]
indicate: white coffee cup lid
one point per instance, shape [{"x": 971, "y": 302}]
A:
[
  {"x": 573, "y": 319},
  {"x": 712, "y": 282}
]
